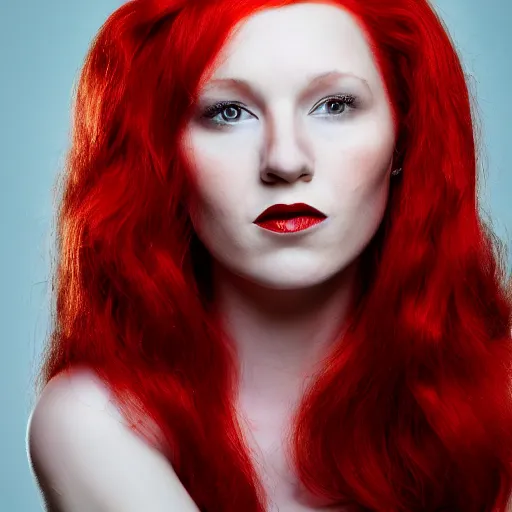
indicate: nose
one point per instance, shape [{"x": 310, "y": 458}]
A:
[{"x": 285, "y": 159}]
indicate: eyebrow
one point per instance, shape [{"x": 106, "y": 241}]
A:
[{"x": 312, "y": 82}]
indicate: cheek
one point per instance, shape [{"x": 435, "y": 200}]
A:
[
  {"x": 358, "y": 154},
  {"x": 359, "y": 179},
  {"x": 219, "y": 191},
  {"x": 360, "y": 169}
]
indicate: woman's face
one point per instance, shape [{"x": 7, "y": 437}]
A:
[{"x": 282, "y": 142}]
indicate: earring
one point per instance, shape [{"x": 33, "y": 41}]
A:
[{"x": 396, "y": 171}]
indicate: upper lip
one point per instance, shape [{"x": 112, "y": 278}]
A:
[{"x": 279, "y": 211}]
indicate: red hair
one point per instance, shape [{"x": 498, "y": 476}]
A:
[{"x": 412, "y": 410}]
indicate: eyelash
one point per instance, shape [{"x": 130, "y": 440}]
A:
[{"x": 214, "y": 110}]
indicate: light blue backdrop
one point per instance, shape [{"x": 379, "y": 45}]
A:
[{"x": 42, "y": 44}]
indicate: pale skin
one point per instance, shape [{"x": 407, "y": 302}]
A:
[{"x": 282, "y": 299}]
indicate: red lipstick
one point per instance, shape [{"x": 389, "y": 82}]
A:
[{"x": 284, "y": 218}]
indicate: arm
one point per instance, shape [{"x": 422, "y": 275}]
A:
[{"x": 84, "y": 459}]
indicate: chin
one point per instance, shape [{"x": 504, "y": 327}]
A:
[{"x": 294, "y": 277}]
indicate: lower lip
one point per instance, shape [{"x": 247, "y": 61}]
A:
[{"x": 290, "y": 225}]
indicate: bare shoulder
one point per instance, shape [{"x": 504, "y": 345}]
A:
[{"x": 84, "y": 457}]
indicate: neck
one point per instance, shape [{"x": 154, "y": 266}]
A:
[{"x": 280, "y": 336}]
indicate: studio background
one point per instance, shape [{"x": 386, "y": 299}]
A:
[{"x": 42, "y": 46}]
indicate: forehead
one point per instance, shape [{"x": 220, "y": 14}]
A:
[{"x": 288, "y": 45}]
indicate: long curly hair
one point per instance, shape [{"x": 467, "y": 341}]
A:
[{"x": 412, "y": 408}]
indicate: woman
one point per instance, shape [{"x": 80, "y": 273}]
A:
[{"x": 350, "y": 352}]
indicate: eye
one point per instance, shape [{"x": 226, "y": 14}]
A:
[
  {"x": 230, "y": 112},
  {"x": 337, "y": 104}
]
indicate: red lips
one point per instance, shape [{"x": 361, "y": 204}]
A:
[{"x": 288, "y": 211}]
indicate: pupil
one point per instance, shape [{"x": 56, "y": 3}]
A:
[
  {"x": 335, "y": 103},
  {"x": 233, "y": 109}
]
